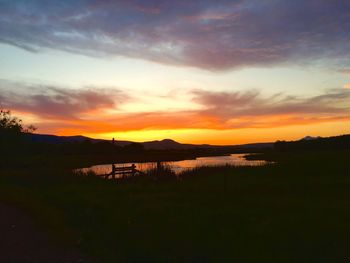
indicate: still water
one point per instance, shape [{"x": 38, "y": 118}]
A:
[{"x": 180, "y": 166}]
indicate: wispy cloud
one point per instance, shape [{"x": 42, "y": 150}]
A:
[
  {"x": 345, "y": 71},
  {"x": 253, "y": 103},
  {"x": 87, "y": 110},
  {"x": 59, "y": 103},
  {"x": 215, "y": 35},
  {"x": 251, "y": 109}
]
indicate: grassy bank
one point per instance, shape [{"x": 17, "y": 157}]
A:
[{"x": 296, "y": 210}]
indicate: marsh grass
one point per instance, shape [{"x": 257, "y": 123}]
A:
[
  {"x": 163, "y": 172},
  {"x": 296, "y": 210},
  {"x": 81, "y": 173}
]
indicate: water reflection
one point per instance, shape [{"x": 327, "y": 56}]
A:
[{"x": 180, "y": 166}]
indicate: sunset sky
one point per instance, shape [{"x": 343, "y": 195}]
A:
[{"x": 219, "y": 72}]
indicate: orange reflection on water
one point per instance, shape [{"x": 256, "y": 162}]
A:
[{"x": 181, "y": 166}]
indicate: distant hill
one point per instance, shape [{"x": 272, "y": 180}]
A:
[
  {"x": 54, "y": 139},
  {"x": 165, "y": 144},
  {"x": 260, "y": 145},
  {"x": 315, "y": 143},
  {"x": 46, "y": 138},
  {"x": 309, "y": 138}
]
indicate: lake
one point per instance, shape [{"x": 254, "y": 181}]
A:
[{"x": 180, "y": 166}]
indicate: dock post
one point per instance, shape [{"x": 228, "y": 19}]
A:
[{"x": 133, "y": 167}]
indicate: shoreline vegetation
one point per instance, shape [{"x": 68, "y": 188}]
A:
[
  {"x": 33, "y": 155},
  {"x": 86, "y": 160},
  {"x": 298, "y": 205}
]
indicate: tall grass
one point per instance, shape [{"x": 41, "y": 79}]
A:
[{"x": 294, "y": 211}]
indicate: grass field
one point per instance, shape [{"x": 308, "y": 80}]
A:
[{"x": 296, "y": 210}]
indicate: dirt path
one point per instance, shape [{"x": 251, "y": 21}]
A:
[{"x": 22, "y": 240}]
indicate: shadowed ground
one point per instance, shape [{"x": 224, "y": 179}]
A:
[
  {"x": 296, "y": 210},
  {"x": 22, "y": 240}
]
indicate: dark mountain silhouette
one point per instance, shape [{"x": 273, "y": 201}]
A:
[
  {"x": 54, "y": 139},
  {"x": 165, "y": 144},
  {"x": 315, "y": 143},
  {"x": 309, "y": 138},
  {"x": 259, "y": 145},
  {"x": 46, "y": 138}
]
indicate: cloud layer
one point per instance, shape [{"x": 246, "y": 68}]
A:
[
  {"x": 75, "y": 111},
  {"x": 214, "y": 35},
  {"x": 49, "y": 102},
  {"x": 252, "y": 110}
]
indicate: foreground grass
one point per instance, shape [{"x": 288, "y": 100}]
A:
[{"x": 293, "y": 211}]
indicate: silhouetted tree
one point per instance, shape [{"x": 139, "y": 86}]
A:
[
  {"x": 10, "y": 125},
  {"x": 12, "y": 139},
  {"x": 12, "y": 130}
]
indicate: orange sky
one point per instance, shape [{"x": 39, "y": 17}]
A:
[{"x": 193, "y": 128}]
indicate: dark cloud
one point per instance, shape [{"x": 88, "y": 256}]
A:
[
  {"x": 231, "y": 107},
  {"x": 214, "y": 35},
  {"x": 58, "y": 103}
]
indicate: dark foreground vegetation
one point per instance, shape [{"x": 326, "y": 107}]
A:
[{"x": 295, "y": 210}]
